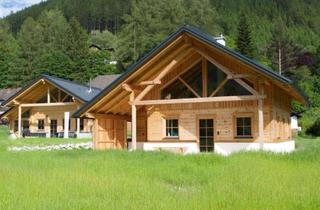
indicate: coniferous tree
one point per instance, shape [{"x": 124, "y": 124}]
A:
[
  {"x": 244, "y": 43},
  {"x": 8, "y": 57},
  {"x": 77, "y": 50},
  {"x": 54, "y": 60},
  {"x": 148, "y": 23},
  {"x": 30, "y": 39},
  {"x": 282, "y": 52}
]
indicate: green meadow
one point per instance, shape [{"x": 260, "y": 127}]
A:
[{"x": 157, "y": 180}]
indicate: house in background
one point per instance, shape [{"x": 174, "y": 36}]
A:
[
  {"x": 192, "y": 94},
  {"x": 103, "y": 81},
  {"x": 294, "y": 123},
  {"x": 4, "y": 95},
  {"x": 44, "y": 106}
]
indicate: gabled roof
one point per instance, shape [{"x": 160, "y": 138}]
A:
[
  {"x": 103, "y": 81},
  {"x": 195, "y": 32},
  {"x": 81, "y": 92}
]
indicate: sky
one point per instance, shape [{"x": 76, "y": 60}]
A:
[{"x": 8, "y": 6}]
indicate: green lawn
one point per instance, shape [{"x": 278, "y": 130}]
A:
[{"x": 146, "y": 180}]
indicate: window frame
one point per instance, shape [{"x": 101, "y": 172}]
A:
[
  {"x": 165, "y": 119},
  {"x": 39, "y": 129},
  {"x": 244, "y": 115}
]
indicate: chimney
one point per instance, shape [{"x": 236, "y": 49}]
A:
[
  {"x": 90, "y": 88},
  {"x": 220, "y": 39}
]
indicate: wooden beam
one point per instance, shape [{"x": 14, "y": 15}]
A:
[
  {"x": 153, "y": 82},
  {"x": 238, "y": 76},
  {"x": 59, "y": 95},
  {"x": 15, "y": 102},
  {"x": 221, "y": 67},
  {"x": 246, "y": 86},
  {"x": 48, "y": 95},
  {"x": 48, "y": 104},
  {"x": 127, "y": 87},
  {"x": 19, "y": 120},
  {"x": 219, "y": 87},
  {"x": 200, "y": 100},
  {"x": 182, "y": 72},
  {"x": 160, "y": 64},
  {"x": 189, "y": 87},
  {"x": 204, "y": 77},
  {"x": 229, "y": 73},
  {"x": 64, "y": 98},
  {"x": 261, "y": 120},
  {"x": 108, "y": 116},
  {"x": 134, "y": 127},
  {"x": 163, "y": 73}
]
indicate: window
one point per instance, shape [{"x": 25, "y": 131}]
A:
[
  {"x": 243, "y": 127},
  {"x": 172, "y": 129},
  {"x": 41, "y": 124},
  {"x": 81, "y": 124},
  {"x": 177, "y": 89},
  {"x": 15, "y": 126},
  {"x": 232, "y": 88},
  {"x": 215, "y": 77}
]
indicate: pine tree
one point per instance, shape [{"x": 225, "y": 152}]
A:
[
  {"x": 282, "y": 52},
  {"x": 77, "y": 50},
  {"x": 148, "y": 23},
  {"x": 76, "y": 41},
  {"x": 244, "y": 43},
  {"x": 54, "y": 60},
  {"x": 31, "y": 42},
  {"x": 8, "y": 57},
  {"x": 203, "y": 15}
]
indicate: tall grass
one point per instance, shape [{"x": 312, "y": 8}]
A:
[{"x": 145, "y": 180}]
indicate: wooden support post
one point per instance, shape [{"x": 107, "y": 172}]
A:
[
  {"x": 59, "y": 95},
  {"x": 204, "y": 77},
  {"x": 78, "y": 127},
  {"x": 48, "y": 95},
  {"x": 19, "y": 120},
  {"x": 66, "y": 125},
  {"x": 260, "y": 121},
  {"x": 134, "y": 127}
]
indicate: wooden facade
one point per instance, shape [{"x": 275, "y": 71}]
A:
[{"x": 246, "y": 105}]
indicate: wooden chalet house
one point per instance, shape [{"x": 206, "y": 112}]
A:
[
  {"x": 44, "y": 106},
  {"x": 192, "y": 94}
]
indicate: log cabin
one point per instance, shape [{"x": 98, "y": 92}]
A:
[
  {"x": 43, "y": 108},
  {"x": 191, "y": 94}
]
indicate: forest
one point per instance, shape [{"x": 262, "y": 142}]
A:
[{"x": 54, "y": 36}]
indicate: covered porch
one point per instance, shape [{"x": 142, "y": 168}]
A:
[{"x": 44, "y": 110}]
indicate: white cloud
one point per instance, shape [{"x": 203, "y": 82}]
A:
[{"x": 8, "y": 6}]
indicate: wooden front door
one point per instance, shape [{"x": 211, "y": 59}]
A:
[
  {"x": 206, "y": 135},
  {"x": 110, "y": 134},
  {"x": 53, "y": 128}
]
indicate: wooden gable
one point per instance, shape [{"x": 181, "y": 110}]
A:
[
  {"x": 179, "y": 56},
  {"x": 38, "y": 93}
]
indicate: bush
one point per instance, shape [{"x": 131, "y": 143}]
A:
[{"x": 314, "y": 129}]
